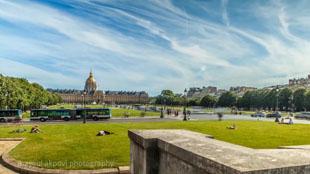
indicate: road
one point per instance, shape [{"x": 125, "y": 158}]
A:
[
  {"x": 239, "y": 117},
  {"x": 112, "y": 120},
  {"x": 157, "y": 119}
]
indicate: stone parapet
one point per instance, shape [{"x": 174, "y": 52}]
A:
[{"x": 186, "y": 152}]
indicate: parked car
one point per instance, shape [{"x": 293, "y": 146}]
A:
[
  {"x": 274, "y": 115},
  {"x": 303, "y": 115},
  {"x": 258, "y": 114}
]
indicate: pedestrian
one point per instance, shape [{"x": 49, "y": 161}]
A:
[
  {"x": 220, "y": 116},
  {"x": 290, "y": 121},
  {"x": 188, "y": 114}
]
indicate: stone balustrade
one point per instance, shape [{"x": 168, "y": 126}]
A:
[{"x": 186, "y": 152}]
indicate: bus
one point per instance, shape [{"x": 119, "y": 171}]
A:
[
  {"x": 10, "y": 115},
  {"x": 95, "y": 114},
  {"x": 51, "y": 114}
]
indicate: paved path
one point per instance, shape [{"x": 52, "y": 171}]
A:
[
  {"x": 5, "y": 145},
  {"x": 237, "y": 117},
  {"x": 112, "y": 120},
  {"x": 157, "y": 119}
]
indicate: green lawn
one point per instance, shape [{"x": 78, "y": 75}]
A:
[{"x": 59, "y": 145}]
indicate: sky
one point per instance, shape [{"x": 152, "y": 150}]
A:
[{"x": 157, "y": 44}]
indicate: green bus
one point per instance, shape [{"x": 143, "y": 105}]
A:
[
  {"x": 95, "y": 114},
  {"x": 9, "y": 115},
  {"x": 68, "y": 114},
  {"x": 50, "y": 114}
]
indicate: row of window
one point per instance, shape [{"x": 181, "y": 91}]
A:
[
  {"x": 9, "y": 113},
  {"x": 50, "y": 113}
]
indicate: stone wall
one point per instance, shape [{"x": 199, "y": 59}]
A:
[{"x": 186, "y": 152}]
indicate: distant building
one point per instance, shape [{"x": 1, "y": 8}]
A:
[
  {"x": 220, "y": 92},
  {"x": 195, "y": 92},
  {"x": 301, "y": 81},
  {"x": 91, "y": 95},
  {"x": 241, "y": 90}
]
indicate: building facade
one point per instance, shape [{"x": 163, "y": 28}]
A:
[
  {"x": 241, "y": 90},
  {"x": 196, "y": 92},
  {"x": 301, "y": 81},
  {"x": 90, "y": 94}
]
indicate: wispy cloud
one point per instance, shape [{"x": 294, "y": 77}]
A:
[{"x": 152, "y": 45}]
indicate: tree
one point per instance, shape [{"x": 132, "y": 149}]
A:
[
  {"x": 252, "y": 100},
  {"x": 167, "y": 97},
  {"x": 167, "y": 92},
  {"x": 299, "y": 99},
  {"x": 193, "y": 102},
  {"x": 19, "y": 93},
  {"x": 284, "y": 98},
  {"x": 270, "y": 99},
  {"x": 227, "y": 99},
  {"x": 307, "y": 101},
  {"x": 208, "y": 101}
]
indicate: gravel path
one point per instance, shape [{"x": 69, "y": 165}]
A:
[{"x": 5, "y": 145}]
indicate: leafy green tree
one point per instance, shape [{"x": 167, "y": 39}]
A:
[
  {"x": 193, "y": 102},
  {"x": 19, "y": 93},
  {"x": 299, "y": 99},
  {"x": 227, "y": 99},
  {"x": 284, "y": 99},
  {"x": 208, "y": 101},
  {"x": 252, "y": 100},
  {"x": 167, "y": 97},
  {"x": 307, "y": 101},
  {"x": 270, "y": 99},
  {"x": 167, "y": 93}
]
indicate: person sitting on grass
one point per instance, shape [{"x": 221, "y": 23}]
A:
[
  {"x": 290, "y": 121},
  {"x": 103, "y": 132},
  {"x": 282, "y": 121},
  {"x": 35, "y": 129},
  {"x": 220, "y": 116},
  {"x": 233, "y": 127},
  {"x": 126, "y": 114}
]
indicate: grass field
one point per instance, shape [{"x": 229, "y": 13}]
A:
[{"x": 75, "y": 146}]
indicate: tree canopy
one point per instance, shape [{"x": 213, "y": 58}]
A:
[
  {"x": 208, "y": 101},
  {"x": 227, "y": 99},
  {"x": 286, "y": 99},
  {"x": 18, "y": 93}
]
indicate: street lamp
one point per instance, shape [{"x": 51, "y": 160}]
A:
[
  {"x": 292, "y": 103},
  {"x": 162, "y": 110},
  {"x": 6, "y": 99},
  {"x": 84, "y": 113},
  {"x": 277, "y": 106},
  {"x": 277, "y": 95},
  {"x": 185, "y": 105}
]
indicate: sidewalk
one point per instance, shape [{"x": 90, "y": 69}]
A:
[{"x": 5, "y": 145}]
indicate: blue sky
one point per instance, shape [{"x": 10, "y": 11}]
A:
[{"x": 155, "y": 45}]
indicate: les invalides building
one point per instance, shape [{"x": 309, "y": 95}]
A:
[{"x": 91, "y": 95}]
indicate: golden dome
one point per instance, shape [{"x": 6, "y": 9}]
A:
[{"x": 90, "y": 84}]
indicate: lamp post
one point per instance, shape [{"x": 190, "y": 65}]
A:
[
  {"x": 6, "y": 99},
  {"x": 84, "y": 113},
  {"x": 277, "y": 95},
  {"x": 277, "y": 104},
  {"x": 292, "y": 103},
  {"x": 184, "y": 106},
  {"x": 162, "y": 110}
]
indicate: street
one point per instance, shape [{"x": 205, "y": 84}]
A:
[{"x": 193, "y": 117}]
